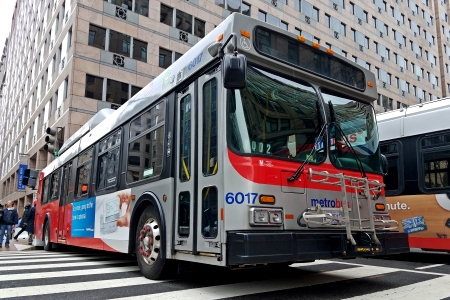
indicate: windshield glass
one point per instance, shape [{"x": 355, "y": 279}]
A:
[
  {"x": 274, "y": 116},
  {"x": 357, "y": 122}
]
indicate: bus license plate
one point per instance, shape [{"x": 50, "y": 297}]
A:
[{"x": 368, "y": 249}]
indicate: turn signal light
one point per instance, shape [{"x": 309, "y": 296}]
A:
[
  {"x": 380, "y": 207},
  {"x": 245, "y": 33},
  {"x": 315, "y": 45},
  {"x": 219, "y": 38},
  {"x": 263, "y": 199},
  {"x": 301, "y": 39},
  {"x": 370, "y": 84}
]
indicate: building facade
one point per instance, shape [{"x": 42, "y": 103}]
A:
[{"x": 67, "y": 59}]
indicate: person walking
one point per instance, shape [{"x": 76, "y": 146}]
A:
[
  {"x": 25, "y": 218},
  {"x": 30, "y": 223},
  {"x": 10, "y": 219}
]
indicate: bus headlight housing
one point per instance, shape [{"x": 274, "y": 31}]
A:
[{"x": 262, "y": 216}]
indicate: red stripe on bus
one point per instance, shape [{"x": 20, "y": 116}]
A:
[
  {"x": 429, "y": 243},
  {"x": 273, "y": 171},
  {"x": 289, "y": 217}
]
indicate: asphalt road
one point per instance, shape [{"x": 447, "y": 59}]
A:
[{"x": 74, "y": 273}]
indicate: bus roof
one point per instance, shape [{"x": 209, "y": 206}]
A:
[
  {"x": 416, "y": 119},
  {"x": 199, "y": 57}
]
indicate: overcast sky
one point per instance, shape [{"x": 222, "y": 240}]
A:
[{"x": 6, "y": 13}]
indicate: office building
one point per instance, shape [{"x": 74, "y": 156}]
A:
[{"x": 67, "y": 59}]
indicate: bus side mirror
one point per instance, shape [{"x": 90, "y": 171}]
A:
[
  {"x": 384, "y": 165},
  {"x": 234, "y": 71}
]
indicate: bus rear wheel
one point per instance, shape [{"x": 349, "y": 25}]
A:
[
  {"x": 47, "y": 243},
  {"x": 149, "y": 244}
]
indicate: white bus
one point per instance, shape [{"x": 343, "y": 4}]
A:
[
  {"x": 234, "y": 156},
  {"x": 416, "y": 142}
]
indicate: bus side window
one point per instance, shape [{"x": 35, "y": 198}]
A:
[
  {"x": 185, "y": 138},
  {"x": 108, "y": 161},
  {"x": 44, "y": 198},
  {"x": 83, "y": 172},
  {"x": 210, "y": 212},
  {"x": 146, "y": 144},
  {"x": 435, "y": 158},
  {"x": 54, "y": 188},
  {"x": 392, "y": 151},
  {"x": 209, "y": 155}
]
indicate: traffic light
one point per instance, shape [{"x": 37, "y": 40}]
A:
[
  {"x": 30, "y": 178},
  {"x": 51, "y": 140}
]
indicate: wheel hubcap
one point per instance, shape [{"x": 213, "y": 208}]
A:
[
  {"x": 149, "y": 241},
  {"x": 46, "y": 236}
]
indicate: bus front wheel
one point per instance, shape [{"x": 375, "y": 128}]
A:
[
  {"x": 47, "y": 243},
  {"x": 149, "y": 244}
]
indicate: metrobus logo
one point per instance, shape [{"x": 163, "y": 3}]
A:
[{"x": 335, "y": 203}]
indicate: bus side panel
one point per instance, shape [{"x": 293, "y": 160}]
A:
[{"x": 426, "y": 219}]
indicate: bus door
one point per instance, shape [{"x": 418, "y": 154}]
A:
[
  {"x": 64, "y": 200},
  {"x": 185, "y": 171},
  {"x": 197, "y": 165},
  {"x": 210, "y": 149}
]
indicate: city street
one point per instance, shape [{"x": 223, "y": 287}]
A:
[{"x": 73, "y": 273}]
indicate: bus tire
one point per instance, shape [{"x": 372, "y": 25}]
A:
[
  {"x": 149, "y": 246},
  {"x": 47, "y": 243}
]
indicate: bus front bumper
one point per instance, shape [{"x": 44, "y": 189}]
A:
[{"x": 266, "y": 247}]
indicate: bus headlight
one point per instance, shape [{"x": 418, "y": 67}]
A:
[{"x": 261, "y": 216}]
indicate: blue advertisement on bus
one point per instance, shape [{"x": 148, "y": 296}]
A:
[{"x": 83, "y": 218}]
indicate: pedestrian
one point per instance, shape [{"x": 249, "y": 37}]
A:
[
  {"x": 24, "y": 221},
  {"x": 9, "y": 221},
  {"x": 30, "y": 223}
]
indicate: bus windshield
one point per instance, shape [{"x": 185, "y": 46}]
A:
[
  {"x": 356, "y": 121},
  {"x": 274, "y": 116}
]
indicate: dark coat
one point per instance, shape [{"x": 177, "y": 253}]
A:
[
  {"x": 25, "y": 216},
  {"x": 13, "y": 215},
  {"x": 30, "y": 221}
]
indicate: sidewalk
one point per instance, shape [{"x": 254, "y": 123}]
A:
[{"x": 20, "y": 245}]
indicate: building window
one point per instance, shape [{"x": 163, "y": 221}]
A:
[
  {"x": 141, "y": 7},
  {"x": 199, "y": 28},
  {"x": 119, "y": 43},
  {"x": 97, "y": 36},
  {"x": 122, "y": 3},
  {"x": 262, "y": 16},
  {"x": 94, "y": 87},
  {"x": 139, "y": 50},
  {"x": 134, "y": 90},
  {"x": 183, "y": 21},
  {"x": 116, "y": 91},
  {"x": 166, "y": 15},
  {"x": 165, "y": 58}
]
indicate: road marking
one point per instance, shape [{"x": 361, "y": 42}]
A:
[
  {"x": 430, "y": 266},
  {"x": 74, "y": 287},
  {"x": 63, "y": 265},
  {"x": 27, "y": 261},
  {"x": 60, "y": 274},
  {"x": 263, "y": 286},
  {"x": 60, "y": 255},
  {"x": 429, "y": 289}
]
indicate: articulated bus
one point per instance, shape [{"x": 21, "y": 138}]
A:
[
  {"x": 256, "y": 147},
  {"x": 416, "y": 142}
]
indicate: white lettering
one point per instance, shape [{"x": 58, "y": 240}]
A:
[{"x": 397, "y": 206}]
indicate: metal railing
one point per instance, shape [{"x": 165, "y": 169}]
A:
[{"x": 364, "y": 190}]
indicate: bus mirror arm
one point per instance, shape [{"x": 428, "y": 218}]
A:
[{"x": 234, "y": 43}]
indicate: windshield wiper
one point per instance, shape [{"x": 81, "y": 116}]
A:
[
  {"x": 344, "y": 138},
  {"x": 312, "y": 152}
]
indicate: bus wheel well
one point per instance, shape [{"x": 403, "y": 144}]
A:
[
  {"x": 46, "y": 220},
  {"x": 144, "y": 201}
]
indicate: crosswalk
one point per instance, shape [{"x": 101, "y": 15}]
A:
[{"x": 101, "y": 275}]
